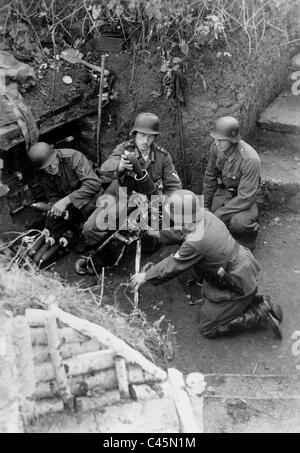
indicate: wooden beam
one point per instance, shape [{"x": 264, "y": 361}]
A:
[
  {"x": 81, "y": 364},
  {"x": 121, "y": 372},
  {"x": 111, "y": 341},
  {"x": 182, "y": 402},
  {"x": 67, "y": 351},
  {"x": 104, "y": 380},
  {"x": 66, "y": 335},
  {"x": 57, "y": 361}
]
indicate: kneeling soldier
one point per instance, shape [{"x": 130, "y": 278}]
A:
[
  {"x": 69, "y": 183},
  {"x": 231, "y": 185},
  {"x": 231, "y": 302},
  {"x": 151, "y": 157}
]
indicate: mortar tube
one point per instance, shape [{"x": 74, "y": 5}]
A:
[{"x": 146, "y": 184}]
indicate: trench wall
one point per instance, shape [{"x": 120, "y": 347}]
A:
[{"x": 241, "y": 85}]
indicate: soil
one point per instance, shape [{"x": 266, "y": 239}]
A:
[{"x": 250, "y": 352}]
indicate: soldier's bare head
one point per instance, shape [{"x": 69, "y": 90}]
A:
[{"x": 44, "y": 157}]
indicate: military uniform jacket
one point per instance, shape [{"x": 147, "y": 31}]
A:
[
  {"x": 159, "y": 166},
  {"x": 208, "y": 248},
  {"x": 237, "y": 172},
  {"x": 75, "y": 178}
]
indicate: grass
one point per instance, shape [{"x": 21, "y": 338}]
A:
[
  {"x": 176, "y": 25},
  {"x": 21, "y": 289}
]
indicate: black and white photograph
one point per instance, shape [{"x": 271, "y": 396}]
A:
[{"x": 149, "y": 220}]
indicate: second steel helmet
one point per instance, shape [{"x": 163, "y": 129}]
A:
[
  {"x": 226, "y": 128},
  {"x": 146, "y": 123}
]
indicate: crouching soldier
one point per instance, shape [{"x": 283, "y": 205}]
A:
[
  {"x": 231, "y": 185},
  {"x": 150, "y": 157},
  {"x": 69, "y": 183},
  {"x": 231, "y": 302}
]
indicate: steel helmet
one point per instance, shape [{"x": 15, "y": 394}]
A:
[
  {"x": 226, "y": 128},
  {"x": 185, "y": 207},
  {"x": 146, "y": 123},
  {"x": 42, "y": 155}
]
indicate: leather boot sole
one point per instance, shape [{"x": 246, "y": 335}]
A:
[{"x": 272, "y": 322}]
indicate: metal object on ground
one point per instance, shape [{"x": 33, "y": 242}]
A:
[{"x": 73, "y": 56}]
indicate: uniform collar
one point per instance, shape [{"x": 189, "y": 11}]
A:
[{"x": 231, "y": 152}]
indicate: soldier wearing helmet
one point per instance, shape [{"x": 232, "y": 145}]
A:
[
  {"x": 151, "y": 157},
  {"x": 231, "y": 185},
  {"x": 230, "y": 271}
]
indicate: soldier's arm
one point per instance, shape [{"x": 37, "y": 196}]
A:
[
  {"x": 247, "y": 190},
  {"x": 110, "y": 166},
  {"x": 210, "y": 178},
  {"x": 170, "y": 178},
  {"x": 50, "y": 193},
  {"x": 173, "y": 265},
  {"x": 91, "y": 183}
]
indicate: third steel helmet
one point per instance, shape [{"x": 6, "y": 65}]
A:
[
  {"x": 226, "y": 128},
  {"x": 146, "y": 123}
]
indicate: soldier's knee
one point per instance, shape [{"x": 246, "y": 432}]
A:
[
  {"x": 239, "y": 223},
  {"x": 86, "y": 231}
]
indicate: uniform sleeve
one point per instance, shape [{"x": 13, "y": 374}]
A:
[
  {"x": 91, "y": 183},
  {"x": 171, "y": 236},
  {"x": 50, "y": 193},
  {"x": 110, "y": 167},
  {"x": 210, "y": 179},
  {"x": 170, "y": 179},
  {"x": 174, "y": 265},
  {"x": 247, "y": 190}
]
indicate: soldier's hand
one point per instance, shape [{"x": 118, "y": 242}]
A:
[
  {"x": 124, "y": 164},
  {"x": 137, "y": 280},
  {"x": 153, "y": 233},
  {"x": 59, "y": 208}
]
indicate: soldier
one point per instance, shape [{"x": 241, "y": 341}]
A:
[
  {"x": 231, "y": 302},
  {"x": 231, "y": 185},
  {"x": 69, "y": 183},
  {"x": 152, "y": 157}
]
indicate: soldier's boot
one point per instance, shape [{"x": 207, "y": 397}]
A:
[
  {"x": 259, "y": 313},
  {"x": 275, "y": 309}
]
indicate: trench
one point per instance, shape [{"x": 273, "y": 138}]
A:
[{"x": 177, "y": 304}]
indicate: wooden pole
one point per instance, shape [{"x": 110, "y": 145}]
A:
[
  {"x": 56, "y": 359},
  {"x": 111, "y": 341},
  {"x": 138, "y": 254},
  {"x": 100, "y": 109},
  {"x": 182, "y": 402},
  {"x": 122, "y": 377}
]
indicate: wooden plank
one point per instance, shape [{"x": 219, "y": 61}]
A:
[
  {"x": 105, "y": 380},
  {"x": 121, "y": 372},
  {"x": 182, "y": 402},
  {"x": 57, "y": 361},
  {"x": 66, "y": 335},
  {"x": 111, "y": 341},
  {"x": 68, "y": 350},
  {"x": 81, "y": 364},
  {"x": 86, "y": 404}
]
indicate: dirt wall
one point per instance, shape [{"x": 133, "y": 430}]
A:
[{"x": 241, "y": 85}]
